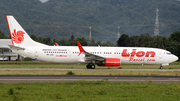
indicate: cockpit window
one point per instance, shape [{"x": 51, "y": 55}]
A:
[{"x": 168, "y": 53}]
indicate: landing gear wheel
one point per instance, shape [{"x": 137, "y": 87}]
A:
[
  {"x": 161, "y": 67},
  {"x": 90, "y": 66}
]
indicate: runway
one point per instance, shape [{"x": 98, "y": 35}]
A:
[
  {"x": 89, "y": 69},
  {"x": 65, "y": 78}
]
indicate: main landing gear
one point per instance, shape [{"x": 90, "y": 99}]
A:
[
  {"x": 90, "y": 66},
  {"x": 161, "y": 67}
]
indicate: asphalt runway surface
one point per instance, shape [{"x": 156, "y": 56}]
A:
[{"x": 68, "y": 78}]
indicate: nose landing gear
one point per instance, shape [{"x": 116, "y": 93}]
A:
[{"x": 161, "y": 67}]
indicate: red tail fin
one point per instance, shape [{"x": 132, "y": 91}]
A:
[{"x": 56, "y": 44}]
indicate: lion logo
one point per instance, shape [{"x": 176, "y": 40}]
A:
[{"x": 17, "y": 37}]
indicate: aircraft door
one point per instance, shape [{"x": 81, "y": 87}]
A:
[
  {"x": 160, "y": 55},
  {"x": 69, "y": 53},
  {"x": 36, "y": 53}
]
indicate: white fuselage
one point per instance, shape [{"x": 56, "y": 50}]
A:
[{"x": 127, "y": 55}]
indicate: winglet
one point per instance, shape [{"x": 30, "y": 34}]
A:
[{"x": 80, "y": 48}]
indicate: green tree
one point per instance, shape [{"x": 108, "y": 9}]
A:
[
  {"x": 158, "y": 42},
  {"x": 48, "y": 41},
  {"x": 2, "y": 35},
  {"x": 123, "y": 41},
  {"x": 175, "y": 36},
  {"x": 62, "y": 42},
  {"x": 93, "y": 43},
  {"x": 144, "y": 40},
  {"x": 107, "y": 43},
  {"x": 134, "y": 41},
  {"x": 173, "y": 43},
  {"x": 34, "y": 37},
  {"x": 82, "y": 41},
  {"x": 71, "y": 41}
]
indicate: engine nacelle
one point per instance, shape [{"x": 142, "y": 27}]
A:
[{"x": 111, "y": 62}]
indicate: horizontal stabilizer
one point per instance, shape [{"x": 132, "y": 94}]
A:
[{"x": 16, "y": 47}]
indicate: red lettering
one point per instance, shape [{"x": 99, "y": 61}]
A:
[
  {"x": 124, "y": 53},
  {"x": 131, "y": 59},
  {"x": 61, "y": 55},
  {"x": 140, "y": 54},
  {"x": 152, "y": 53},
  {"x": 150, "y": 59},
  {"x": 133, "y": 52}
]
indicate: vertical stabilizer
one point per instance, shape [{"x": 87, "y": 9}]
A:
[{"x": 18, "y": 35}]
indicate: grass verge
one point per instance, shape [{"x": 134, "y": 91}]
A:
[
  {"x": 90, "y": 90},
  {"x": 86, "y": 72},
  {"x": 98, "y": 71},
  {"x": 7, "y": 64}
]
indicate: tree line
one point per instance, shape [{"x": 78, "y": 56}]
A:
[
  {"x": 69, "y": 42},
  {"x": 62, "y": 42}
]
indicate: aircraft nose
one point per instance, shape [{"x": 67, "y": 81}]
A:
[{"x": 175, "y": 58}]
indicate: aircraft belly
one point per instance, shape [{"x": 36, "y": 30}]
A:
[{"x": 65, "y": 60}]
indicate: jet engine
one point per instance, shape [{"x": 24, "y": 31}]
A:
[{"x": 111, "y": 62}]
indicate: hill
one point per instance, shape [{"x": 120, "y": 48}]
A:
[{"x": 62, "y": 18}]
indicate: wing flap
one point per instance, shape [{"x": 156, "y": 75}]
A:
[{"x": 89, "y": 57}]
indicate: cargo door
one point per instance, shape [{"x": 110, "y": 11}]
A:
[{"x": 36, "y": 53}]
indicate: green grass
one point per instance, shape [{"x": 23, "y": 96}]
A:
[
  {"x": 7, "y": 64},
  {"x": 70, "y": 73},
  {"x": 87, "y": 72},
  {"x": 97, "y": 71},
  {"x": 175, "y": 65},
  {"x": 90, "y": 90}
]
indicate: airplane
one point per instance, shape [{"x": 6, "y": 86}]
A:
[{"x": 102, "y": 56}]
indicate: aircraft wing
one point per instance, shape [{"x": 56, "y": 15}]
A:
[{"x": 88, "y": 56}]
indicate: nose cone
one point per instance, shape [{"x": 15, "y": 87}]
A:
[{"x": 175, "y": 58}]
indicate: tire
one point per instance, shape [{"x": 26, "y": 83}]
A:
[
  {"x": 88, "y": 66},
  {"x": 92, "y": 66}
]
